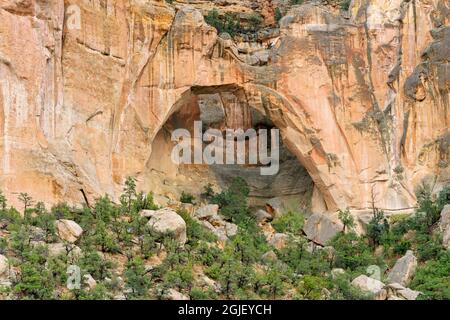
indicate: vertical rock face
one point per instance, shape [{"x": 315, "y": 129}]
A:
[{"x": 362, "y": 102}]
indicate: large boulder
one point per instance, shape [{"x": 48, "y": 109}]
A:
[
  {"x": 208, "y": 283},
  {"x": 404, "y": 269},
  {"x": 89, "y": 281},
  {"x": 167, "y": 221},
  {"x": 68, "y": 230},
  {"x": 444, "y": 221},
  {"x": 173, "y": 294},
  {"x": 446, "y": 238},
  {"x": 367, "y": 284},
  {"x": 206, "y": 212},
  {"x": 4, "y": 265},
  {"x": 444, "y": 225},
  {"x": 320, "y": 228},
  {"x": 397, "y": 291}
]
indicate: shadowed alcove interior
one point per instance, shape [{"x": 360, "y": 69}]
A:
[{"x": 225, "y": 108}]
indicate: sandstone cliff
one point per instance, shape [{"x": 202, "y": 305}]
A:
[{"x": 361, "y": 99}]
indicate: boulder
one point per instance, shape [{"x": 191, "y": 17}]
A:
[
  {"x": 381, "y": 295},
  {"x": 279, "y": 240},
  {"x": 206, "y": 282},
  {"x": 206, "y": 212},
  {"x": 167, "y": 221},
  {"x": 367, "y": 284},
  {"x": 231, "y": 229},
  {"x": 396, "y": 290},
  {"x": 444, "y": 221},
  {"x": 147, "y": 213},
  {"x": 4, "y": 265},
  {"x": 444, "y": 226},
  {"x": 408, "y": 294},
  {"x": 68, "y": 230},
  {"x": 320, "y": 228},
  {"x": 173, "y": 294},
  {"x": 262, "y": 216},
  {"x": 219, "y": 232},
  {"x": 275, "y": 207},
  {"x": 404, "y": 269},
  {"x": 217, "y": 221},
  {"x": 446, "y": 238},
  {"x": 89, "y": 281}
]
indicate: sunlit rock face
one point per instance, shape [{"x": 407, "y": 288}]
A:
[{"x": 361, "y": 101}]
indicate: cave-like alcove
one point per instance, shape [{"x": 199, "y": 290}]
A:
[{"x": 223, "y": 110}]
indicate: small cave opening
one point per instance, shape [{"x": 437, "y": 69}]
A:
[{"x": 223, "y": 111}]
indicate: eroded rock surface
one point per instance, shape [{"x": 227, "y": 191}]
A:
[
  {"x": 367, "y": 284},
  {"x": 360, "y": 100},
  {"x": 404, "y": 269},
  {"x": 320, "y": 228}
]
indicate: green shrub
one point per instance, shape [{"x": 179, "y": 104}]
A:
[
  {"x": 255, "y": 21},
  {"x": 208, "y": 192},
  {"x": 433, "y": 279},
  {"x": 347, "y": 219},
  {"x": 278, "y": 15},
  {"x": 36, "y": 281},
  {"x": 345, "y": 4},
  {"x": 202, "y": 294},
  {"x": 311, "y": 287},
  {"x": 377, "y": 228},
  {"x": 341, "y": 289},
  {"x": 301, "y": 261},
  {"x": 352, "y": 252},
  {"x": 144, "y": 202},
  {"x": 291, "y": 222},
  {"x": 186, "y": 197},
  {"x": 136, "y": 279},
  {"x": 233, "y": 201}
]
